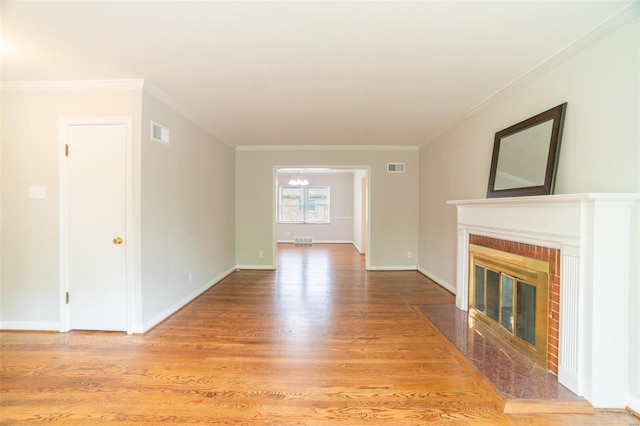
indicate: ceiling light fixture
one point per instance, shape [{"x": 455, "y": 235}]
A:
[{"x": 298, "y": 180}]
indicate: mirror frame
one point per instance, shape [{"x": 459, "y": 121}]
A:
[{"x": 557, "y": 115}]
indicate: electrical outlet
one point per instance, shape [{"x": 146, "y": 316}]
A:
[
  {"x": 190, "y": 276},
  {"x": 260, "y": 253},
  {"x": 409, "y": 254}
]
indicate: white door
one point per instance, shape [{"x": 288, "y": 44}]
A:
[{"x": 96, "y": 256}]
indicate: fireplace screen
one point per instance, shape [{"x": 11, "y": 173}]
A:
[{"x": 509, "y": 294}]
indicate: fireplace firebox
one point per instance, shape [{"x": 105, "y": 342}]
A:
[{"x": 509, "y": 294}]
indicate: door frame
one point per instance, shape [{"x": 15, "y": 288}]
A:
[
  {"x": 274, "y": 210},
  {"x": 364, "y": 215},
  {"x": 130, "y": 228}
]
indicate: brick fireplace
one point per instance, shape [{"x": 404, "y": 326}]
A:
[
  {"x": 546, "y": 254},
  {"x": 588, "y": 239}
]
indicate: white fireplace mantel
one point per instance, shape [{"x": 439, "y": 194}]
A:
[{"x": 594, "y": 235}]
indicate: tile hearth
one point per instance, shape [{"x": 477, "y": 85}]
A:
[{"x": 517, "y": 378}]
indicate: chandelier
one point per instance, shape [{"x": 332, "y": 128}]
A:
[{"x": 298, "y": 180}]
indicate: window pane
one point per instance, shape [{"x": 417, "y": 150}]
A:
[
  {"x": 526, "y": 312},
  {"x": 493, "y": 294},
  {"x": 317, "y": 204},
  {"x": 291, "y": 204},
  {"x": 506, "y": 308},
  {"x": 479, "y": 288}
]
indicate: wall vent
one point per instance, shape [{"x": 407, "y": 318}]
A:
[
  {"x": 303, "y": 240},
  {"x": 160, "y": 133},
  {"x": 395, "y": 167}
]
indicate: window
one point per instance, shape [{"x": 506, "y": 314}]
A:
[{"x": 304, "y": 204}]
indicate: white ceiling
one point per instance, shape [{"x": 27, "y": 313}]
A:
[{"x": 296, "y": 73}]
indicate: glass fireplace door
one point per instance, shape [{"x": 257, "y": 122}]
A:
[{"x": 510, "y": 297}]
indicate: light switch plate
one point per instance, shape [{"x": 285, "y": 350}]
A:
[{"x": 37, "y": 192}]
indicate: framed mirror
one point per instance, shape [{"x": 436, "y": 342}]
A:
[{"x": 525, "y": 156}]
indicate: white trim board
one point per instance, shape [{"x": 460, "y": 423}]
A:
[
  {"x": 122, "y": 84},
  {"x": 157, "y": 319},
  {"x": 71, "y": 85},
  {"x": 442, "y": 283},
  {"x": 29, "y": 326},
  {"x": 633, "y": 403},
  {"x": 623, "y": 17},
  {"x": 318, "y": 242},
  {"x": 326, "y": 148},
  {"x": 393, "y": 268},
  {"x": 185, "y": 112},
  {"x": 256, "y": 267}
]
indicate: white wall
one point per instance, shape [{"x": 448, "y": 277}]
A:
[
  {"x": 600, "y": 149},
  {"x": 393, "y": 201},
  {"x": 30, "y": 283},
  {"x": 341, "y": 206},
  {"x": 187, "y": 214}
]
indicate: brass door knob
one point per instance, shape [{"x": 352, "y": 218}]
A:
[{"x": 117, "y": 240}]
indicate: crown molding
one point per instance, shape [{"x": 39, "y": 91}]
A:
[
  {"x": 616, "y": 21},
  {"x": 71, "y": 85},
  {"x": 326, "y": 148},
  {"x": 163, "y": 97},
  {"x": 123, "y": 84}
]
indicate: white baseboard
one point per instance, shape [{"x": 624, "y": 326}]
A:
[
  {"x": 437, "y": 280},
  {"x": 258, "y": 267},
  {"x": 393, "y": 268},
  {"x": 30, "y": 326},
  {"x": 317, "y": 242},
  {"x": 178, "y": 305},
  {"x": 633, "y": 403}
]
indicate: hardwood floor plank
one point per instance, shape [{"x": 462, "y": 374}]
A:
[{"x": 319, "y": 341}]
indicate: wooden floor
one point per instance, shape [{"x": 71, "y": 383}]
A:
[{"x": 320, "y": 341}]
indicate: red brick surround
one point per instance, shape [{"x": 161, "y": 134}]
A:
[{"x": 548, "y": 255}]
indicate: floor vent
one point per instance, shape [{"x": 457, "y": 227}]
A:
[{"x": 303, "y": 240}]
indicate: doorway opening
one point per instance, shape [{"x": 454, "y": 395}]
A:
[{"x": 315, "y": 205}]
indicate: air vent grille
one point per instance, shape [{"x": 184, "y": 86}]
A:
[
  {"x": 160, "y": 133},
  {"x": 395, "y": 167},
  {"x": 303, "y": 240}
]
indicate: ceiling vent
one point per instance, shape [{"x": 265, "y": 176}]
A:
[
  {"x": 159, "y": 133},
  {"x": 395, "y": 167}
]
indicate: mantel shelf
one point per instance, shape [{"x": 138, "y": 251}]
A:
[{"x": 549, "y": 199}]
